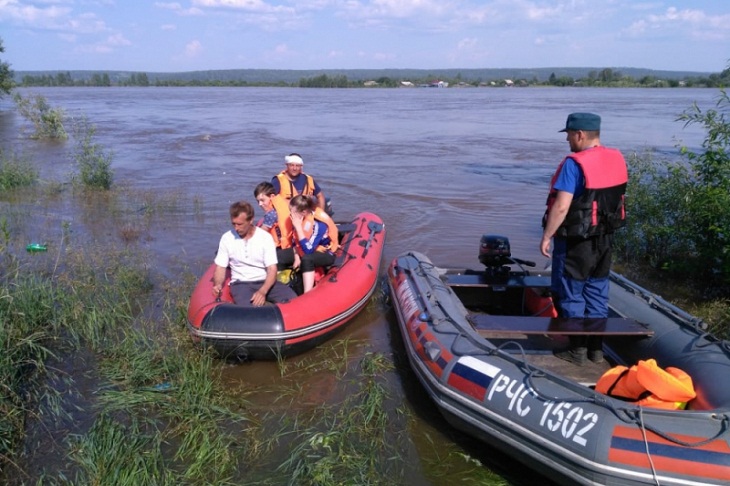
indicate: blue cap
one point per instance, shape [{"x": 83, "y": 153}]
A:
[{"x": 582, "y": 121}]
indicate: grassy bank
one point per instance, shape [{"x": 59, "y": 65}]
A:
[{"x": 104, "y": 386}]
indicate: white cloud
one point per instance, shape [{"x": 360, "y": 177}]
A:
[
  {"x": 467, "y": 44},
  {"x": 179, "y": 9},
  {"x": 697, "y": 23},
  {"x": 117, "y": 40},
  {"x": 193, "y": 49},
  {"x": 86, "y": 24},
  {"x": 32, "y": 16},
  {"x": 106, "y": 46},
  {"x": 384, "y": 56},
  {"x": 534, "y": 12},
  {"x": 168, "y": 5},
  {"x": 282, "y": 49},
  {"x": 255, "y": 6}
]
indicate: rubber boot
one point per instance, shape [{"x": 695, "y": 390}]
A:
[
  {"x": 595, "y": 349},
  {"x": 577, "y": 351}
]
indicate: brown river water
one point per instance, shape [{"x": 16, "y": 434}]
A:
[{"x": 441, "y": 167}]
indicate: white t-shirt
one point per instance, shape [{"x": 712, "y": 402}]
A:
[{"x": 248, "y": 258}]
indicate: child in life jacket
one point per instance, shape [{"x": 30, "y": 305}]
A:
[
  {"x": 315, "y": 238},
  {"x": 276, "y": 220}
]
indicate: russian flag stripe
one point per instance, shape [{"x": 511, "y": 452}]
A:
[{"x": 472, "y": 376}]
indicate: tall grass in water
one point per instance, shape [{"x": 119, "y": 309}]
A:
[
  {"x": 157, "y": 410},
  {"x": 156, "y": 391},
  {"x": 350, "y": 442},
  {"x": 165, "y": 407},
  {"x": 16, "y": 171},
  {"x": 29, "y": 327}
]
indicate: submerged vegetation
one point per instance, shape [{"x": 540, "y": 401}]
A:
[
  {"x": 102, "y": 384},
  {"x": 47, "y": 121},
  {"x": 148, "y": 407},
  {"x": 16, "y": 171},
  {"x": 93, "y": 161}
]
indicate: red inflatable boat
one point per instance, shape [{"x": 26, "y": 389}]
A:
[{"x": 278, "y": 330}]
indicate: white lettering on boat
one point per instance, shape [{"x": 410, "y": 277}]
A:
[
  {"x": 566, "y": 418},
  {"x": 516, "y": 396}
]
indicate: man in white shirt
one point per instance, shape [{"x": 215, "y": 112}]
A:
[{"x": 251, "y": 254}]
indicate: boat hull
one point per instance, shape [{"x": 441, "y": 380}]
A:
[
  {"x": 496, "y": 389},
  {"x": 279, "y": 330}
]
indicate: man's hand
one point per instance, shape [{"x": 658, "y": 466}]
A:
[
  {"x": 545, "y": 246},
  {"x": 258, "y": 298}
]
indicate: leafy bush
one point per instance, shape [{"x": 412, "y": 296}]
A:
[
  {"x": 93, "y": 162},
  {"x": 48, "y": 121},
  {"x": 16, "y": 172},
  {"x": 6, "y": 75},
  {"x": 679, "y": 213}
]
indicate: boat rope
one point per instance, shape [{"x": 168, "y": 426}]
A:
[
  {"x": 707, "y": 339},
  {"x": 659, "y": 303},
  {"x": 638, "y": 420},
  {"x": 646, "y": 447}
]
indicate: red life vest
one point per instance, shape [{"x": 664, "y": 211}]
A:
[
  {"x": 648, "y": 385},
  {"x": 287, "y": 189},
  {"x": 599, "y": 209}
]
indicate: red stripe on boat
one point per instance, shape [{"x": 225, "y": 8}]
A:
[{"x": 629, "y": 447}]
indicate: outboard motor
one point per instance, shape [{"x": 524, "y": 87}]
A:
[{"x": 494, "y": 253}]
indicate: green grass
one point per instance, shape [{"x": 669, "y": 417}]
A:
[
  {"x": 353, "y": 441},
  {"x": 29, "y": 328},
  {"x": 16, "y": 171}
]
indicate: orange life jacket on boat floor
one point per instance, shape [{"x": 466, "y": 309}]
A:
[{"x": 648, "y": 385}]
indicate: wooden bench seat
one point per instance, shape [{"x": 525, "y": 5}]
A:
[
  {"x": 482, "y": 280},
  {"x": 494, "y": 325}
]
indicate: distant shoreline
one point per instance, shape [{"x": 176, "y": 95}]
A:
[
  {"x": 291, "y": 75},
  {"x": 386, "y": 78}
]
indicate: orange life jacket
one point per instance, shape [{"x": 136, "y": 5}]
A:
[
  {"x": 287, "y": 189},
  {"x": 308, "y": 227},
  {"x": 648, "y": 385},
  {"x": 321, "y": 215},
  {"x": 282, "y": 230}
]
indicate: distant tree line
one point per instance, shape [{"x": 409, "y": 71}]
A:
[
  {"x": 597, "y": 78},
  {"x": 97, "y": 79},
  {"x": 612, "y": 78}
]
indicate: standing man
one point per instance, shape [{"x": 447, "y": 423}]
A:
[
  {"x": 251, "y": 254},
  {"x": 584, "y": 207},
  {"x": 292, "y": 181}
]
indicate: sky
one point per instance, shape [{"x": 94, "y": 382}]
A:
[{"x": 174, "y": 36}]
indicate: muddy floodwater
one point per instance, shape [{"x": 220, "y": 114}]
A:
[{"x": 441, "y": 167}]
